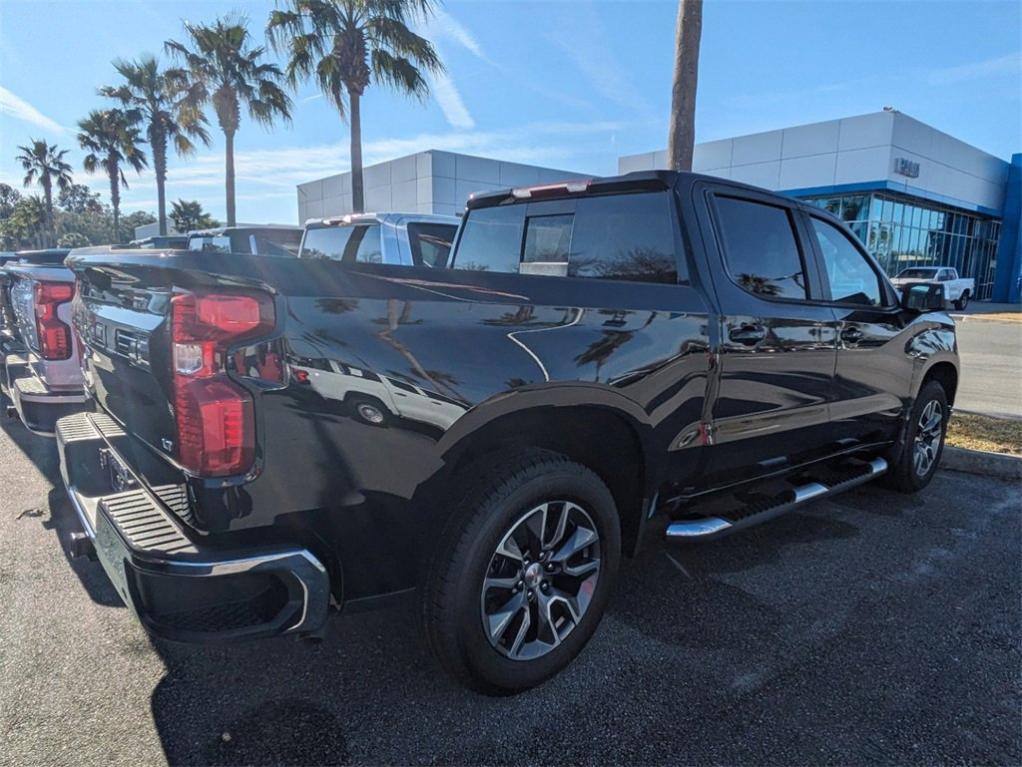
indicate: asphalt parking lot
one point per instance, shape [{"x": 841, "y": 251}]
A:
[{"x": 874, "y": 628}]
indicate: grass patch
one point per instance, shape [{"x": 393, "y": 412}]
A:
[
  {"x": 998, "y": 316},
  {"x": 981, "y": 432}
]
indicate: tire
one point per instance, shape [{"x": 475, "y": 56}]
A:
[
  {"x": 963, "y": 301},
  {"x": 367, "y": 409},
  {"x": 460, "y": 613},
  {"x": 905, "y": 473}
]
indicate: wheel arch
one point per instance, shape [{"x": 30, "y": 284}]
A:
[
  {"x": 607, "y": 434},
  {"x": 946, "y": 374}
]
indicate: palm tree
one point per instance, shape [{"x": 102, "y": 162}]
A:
[
  {"x": 44, "y": 164},
  {"x": 155, "y": 97},
  {"x": 682, "y": 135},
  {"x": 112, "y": 141},
  {"x": 188, "y": 215},
  {"x": 349, "y": 44},
  {"x": 222, "y": 69}
]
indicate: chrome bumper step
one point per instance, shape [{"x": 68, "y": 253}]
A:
[{"x": 708, "y": 528}]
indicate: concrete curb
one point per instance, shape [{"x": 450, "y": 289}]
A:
[{"x": 998, "y": 465}]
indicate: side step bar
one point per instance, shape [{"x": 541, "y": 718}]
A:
[{"x": 709, "y": 528}]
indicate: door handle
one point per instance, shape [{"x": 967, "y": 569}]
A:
[
  {"x": 749, "y": 335},
  {"x": 851, "y": 335}
]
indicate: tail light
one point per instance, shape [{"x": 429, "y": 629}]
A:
[
  {"x": 215, "y": 422},
  {"x": 53, "y": 335}
]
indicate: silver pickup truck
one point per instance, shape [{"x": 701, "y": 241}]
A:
[
  {"x": 404, "y": 239},
  {"x": 40, "y": 372}
]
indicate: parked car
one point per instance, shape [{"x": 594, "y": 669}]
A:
[
  {"x": 40, "y": 374},
  {"x": 957, "y": 290},
  {"x": 412, "y": 239},
  {"x": 649, "y": 344},
  {"x": 267, "y": 240}
]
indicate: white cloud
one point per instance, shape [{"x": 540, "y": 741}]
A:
[
  {"x": 450, "y": 101},
  {"x": 20, "y": 109},
  {"x": 583, "y": 38},
  {"x": 443, "y": 25},
  {"x": 266, "y": 174},
  {"x": 1009, "y": 64}
]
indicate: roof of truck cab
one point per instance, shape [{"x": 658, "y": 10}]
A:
[
  {"x": 637, "y": 181},
  {"x": 383, "y": 218},
  {"x": 219, "y": 231}
]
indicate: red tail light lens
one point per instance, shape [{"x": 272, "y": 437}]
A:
[
  {"x": 54, "y": 336},
  {"x": 215, "y": 421}
]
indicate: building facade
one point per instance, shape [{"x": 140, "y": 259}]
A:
[
  {"x": 426, "y": 182},
  {"x": 914, "y": 195}
]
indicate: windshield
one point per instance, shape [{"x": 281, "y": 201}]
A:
[{"x": 917, "y": 274}]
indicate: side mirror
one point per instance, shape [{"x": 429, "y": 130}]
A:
[{"x": 922, "y": 297}]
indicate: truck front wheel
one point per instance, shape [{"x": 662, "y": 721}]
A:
[
  {"x": 923, "y": 442},
  {"x": 523, "y": 573}
]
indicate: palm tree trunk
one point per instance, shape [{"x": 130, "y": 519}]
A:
[
  {"x": 159, "y": 145},
  {"x": 229, "y": 174},
  {"x": 115, "y": 200},
  {"x": 48, "y": 195},
  {"x": 357, "y": 195},
  {"x": 681, "y": 139}
]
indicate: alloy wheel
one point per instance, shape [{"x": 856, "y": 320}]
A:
[
  {"x": 929, "y": 433},
  {"x": 540, "y": 580}
]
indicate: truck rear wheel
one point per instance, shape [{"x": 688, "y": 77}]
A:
[
  {"x": 963, "y": 301},
  {"x": 523, "y": 573},
  {"x": 924, "y": 441}
]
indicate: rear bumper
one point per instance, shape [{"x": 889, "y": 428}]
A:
[
  {"x": 179, "y": 588},
  {"x": 39, "y": 407}
]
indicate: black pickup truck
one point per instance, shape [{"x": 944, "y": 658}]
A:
[{"x": 273, "y": 439}]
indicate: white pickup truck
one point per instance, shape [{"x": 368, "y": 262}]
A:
[{"x": 957, "y": 290}]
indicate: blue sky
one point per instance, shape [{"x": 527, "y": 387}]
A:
[{"x": 571, "y": 85}]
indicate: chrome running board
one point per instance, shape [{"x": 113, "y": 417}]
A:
[{"x": 708, "y": 528}]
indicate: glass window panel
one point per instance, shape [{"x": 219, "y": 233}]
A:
[
  {"x": 431, "y": 243},
  {"x": 875, "y": 207},
  {"x": 853, "y": 208},
  {"x": 899, "y": 213},
  {"x": 760, "y": 248},
  {"x": 887, "y": 213},
  {"x": 548, "y": 239},
  {"x": 491, "y": 239},
  {"x": 917, "y": 216},
  {"x": 625, "y": 237},
  {"x": 348, "y": 243},
  {"x": 851, "y": 278}
]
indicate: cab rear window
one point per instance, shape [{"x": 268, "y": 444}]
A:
[
  {"x": 618, "y": 237},
  {"x": 352, "y": 244}
]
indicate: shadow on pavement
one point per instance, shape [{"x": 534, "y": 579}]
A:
[{"x": 288, "y": 702}]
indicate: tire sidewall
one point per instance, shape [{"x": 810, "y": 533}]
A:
[
  {"x": 482, "y": 659},
  {"x": 932, "y": 391}
]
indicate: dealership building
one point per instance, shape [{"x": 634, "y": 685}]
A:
[{"x": 914, "y": 195}]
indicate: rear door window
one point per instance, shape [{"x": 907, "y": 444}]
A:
[{"x": 760, "y": 248}]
